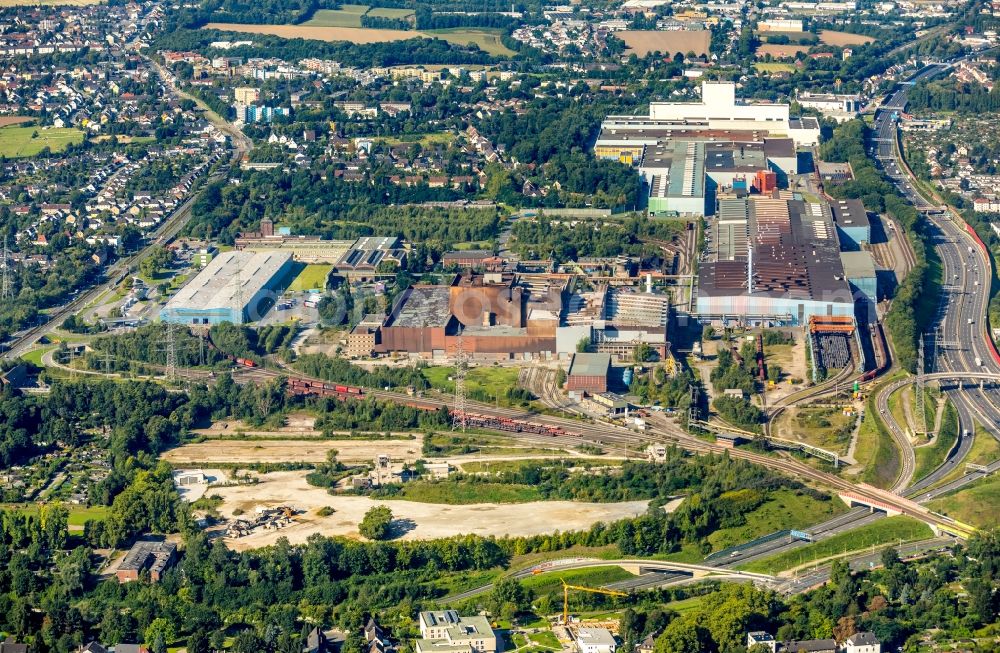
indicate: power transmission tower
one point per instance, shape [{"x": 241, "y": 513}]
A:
[
  {"x": 6, "y": 283},
  {"x": 171, "y": 350},
  {"x": 921, "y": 417},
  {"x": 460, "y": 365}
]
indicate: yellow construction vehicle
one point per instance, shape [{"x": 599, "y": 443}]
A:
[{"x": 567, "y": 587}]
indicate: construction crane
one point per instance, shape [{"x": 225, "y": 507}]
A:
[{"x": 594, "y": 590}]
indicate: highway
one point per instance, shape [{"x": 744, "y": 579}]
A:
[{"x": 956, "y": 341}]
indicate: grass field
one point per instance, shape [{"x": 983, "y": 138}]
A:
[
  {"x": 975, "y": 504},
  {"x": 29, "y": 141},
  {"x": 885, "y": 531},
  {"x": 457, "y": 494},
  {"x": 774, "y": 67},
  {"x": 823, "y": 427},
  {"x": 985, "y": 449},
  {"x": 388, "y": 12},
  {"x": 434, "y": 138},
  {"x": 546, "y": 583},
  {"x": 35, "y": 355},
  {"x": 499, "y": 466},
  {"x": 346, "y": 16},
  {"x": 930, "y": 456},
  {"x": 78, "y": 515},
  {"x": 493, "y": 381},
  {"x": 785, "y": 509},
  {"x": 487, "y": 40},
  {"x": 876, "y": 453},
  {"x": 312, "y": 277}
]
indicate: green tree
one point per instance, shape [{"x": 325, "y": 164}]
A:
[{"x": 376, "y": 522}]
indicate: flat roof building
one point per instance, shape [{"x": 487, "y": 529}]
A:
[
  {"x": 595, "y": 640},
  {"x": 232, "y": 288},
  {"x": 154, "y": 556},
  {"x": 589, "y": 373},
  {"x": 859, "y": 268},
  {"x": 853, "y": 226},
  {"x": 445, "y": 631},
  {"x": 772, "y": 261}
]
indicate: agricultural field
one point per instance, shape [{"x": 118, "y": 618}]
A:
[
  {"x": 29, "y": 141},
  {"x": 830, "y": 37},
  {"x": 312, "y": 277},
  {"x": 780, "y": 51},
  {"x": 7, "y": 121},
  {"x": 346, "y": 16},
  {"x": 421, "y": 521},
  {"x": 487, "y": 40},
  {"x": 353, "y": 34},
  {"x": 642, "y": 42}
]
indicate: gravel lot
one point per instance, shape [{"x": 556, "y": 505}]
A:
[{"x": 418, "y": 521}]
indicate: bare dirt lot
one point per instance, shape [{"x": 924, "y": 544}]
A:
[
  {"x": 831, "y": 37},
  {"x": 420, "y": 521},
  {"x": 780, "y": 51},
  {"x": 13, "y": 120},
  {"x": 291, "y": 451},
  {"x": 352, "y": 34},
  {"x": 642, "y": 42}
]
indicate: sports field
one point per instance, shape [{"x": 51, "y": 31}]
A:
[
  {"x": 313, "y": 276},
  {"x": 29, "y": 141},
  {"x": 642, "y": 42}
]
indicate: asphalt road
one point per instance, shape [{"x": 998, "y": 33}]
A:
[{"x": 956, "y": 339}]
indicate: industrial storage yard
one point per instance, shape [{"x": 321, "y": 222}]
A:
[{"x": 421, "y": 521}]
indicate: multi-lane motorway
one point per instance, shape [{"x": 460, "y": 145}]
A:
[{"x": 957, "y": 338}]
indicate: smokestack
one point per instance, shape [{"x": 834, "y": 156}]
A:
[{"x": 649, "y": 283}]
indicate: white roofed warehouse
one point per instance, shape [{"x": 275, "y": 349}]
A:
[{"x": 232, "y": 288}]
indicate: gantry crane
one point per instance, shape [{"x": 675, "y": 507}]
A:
[{"x": 594, "y": 590}]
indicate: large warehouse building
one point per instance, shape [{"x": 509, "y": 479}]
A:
[
  {"x": 689, "y": 151},
  {"x": 772, "y": 260},
  {"x": 232, "y": 288}
]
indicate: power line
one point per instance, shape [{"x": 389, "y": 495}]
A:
[
  {"x": 6, "y": 282},
  {"x": 460, "y": 365}
]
